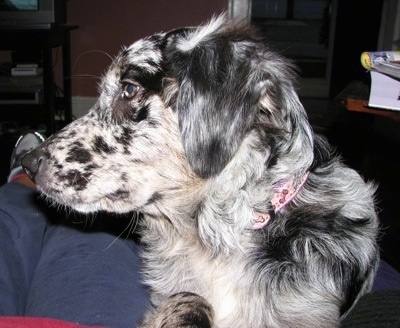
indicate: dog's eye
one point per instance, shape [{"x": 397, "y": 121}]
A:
[{"x": 130, "y": 90}]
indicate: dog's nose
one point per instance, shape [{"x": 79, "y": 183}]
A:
[{"x": 31, "y": 162}]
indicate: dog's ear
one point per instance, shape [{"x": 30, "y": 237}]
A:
[
  {"x": 227, "y": 83},
  {"x": 217, "y": 98}
]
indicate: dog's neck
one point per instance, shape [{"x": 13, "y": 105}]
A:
[{"x": 283, "y": 194}]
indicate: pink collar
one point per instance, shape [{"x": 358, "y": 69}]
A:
[{"x": 283, "y": 194}]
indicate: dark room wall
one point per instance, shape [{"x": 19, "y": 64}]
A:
[{"x": 106, "y": 26}]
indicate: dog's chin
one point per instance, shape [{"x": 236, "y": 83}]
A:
[
  {"x": 87, "y": 208},
  {"x": 107, "y": 203}
]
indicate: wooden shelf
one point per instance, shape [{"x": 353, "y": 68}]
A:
[{"x": 43, "y": 40}]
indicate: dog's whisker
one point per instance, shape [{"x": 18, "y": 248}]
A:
[
  {"x": 128, "y": 228},
  {"x": 90, "y": 52},
  {"x": 134, "y": 223},
  {"x": 85, "y": 76}
]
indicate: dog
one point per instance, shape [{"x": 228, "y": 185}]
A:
[{"x": 249, "y": 219}]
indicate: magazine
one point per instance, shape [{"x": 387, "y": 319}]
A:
[{"x": 386, "y": 62}]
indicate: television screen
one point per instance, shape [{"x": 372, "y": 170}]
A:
[
  {"x": 35, "y": 13},
  {"x": 25, "y": 5}
]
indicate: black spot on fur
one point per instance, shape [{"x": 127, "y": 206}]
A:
[
  {"x": 289, "y": 245},
  {"x": 118, "y": 195},
  {"x": 124, "y": 177},
  {"x": 323, "y": 152},
  {"x": 125, "y": 138},
  {"x": 153, "y": 123},
  {"x": 154, "y": 198},
  {"x": 72, "y": 133},
  {"x": 302, "y": 224},
  {"x": 76, "y": 179},
  {"x": 79, "y": 154},
  {"x": 90, "y": 167},
  {"x": 354, "y": 282},
  {"x": 195, "y": 319},
  {"x": 100, "y": 146},
  {"x": 141, "y": 114},
  {"x": 150, "y": 81},
  {"x": 187, "y": 310}
]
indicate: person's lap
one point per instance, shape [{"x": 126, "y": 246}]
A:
[
  {"x": 60, "y": 272},
  {"x": 22, "y": 228}
]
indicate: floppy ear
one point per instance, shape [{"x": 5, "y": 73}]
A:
[{"x": 217, "y": 98}]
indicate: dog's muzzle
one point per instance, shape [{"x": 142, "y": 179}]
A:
[{"x": 32, "y": 162}]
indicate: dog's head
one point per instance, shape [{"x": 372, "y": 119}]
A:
[{"x": 175, "y": 111}]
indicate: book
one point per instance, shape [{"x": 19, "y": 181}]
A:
[
  {"x": 27, "y": 65},
  {"x": 384, "y": 91},
  {"x": 26, "y": 71}
]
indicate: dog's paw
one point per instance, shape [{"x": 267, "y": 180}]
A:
[{"x": 181, "y": 310}]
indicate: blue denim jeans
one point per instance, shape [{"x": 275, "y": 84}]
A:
[{"x": 57, "y": 271}]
